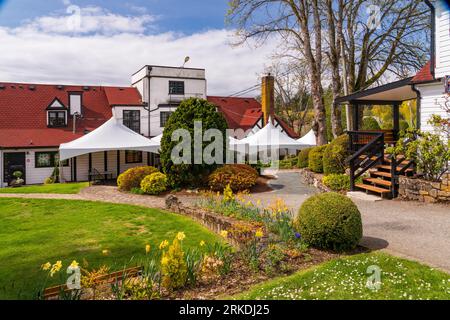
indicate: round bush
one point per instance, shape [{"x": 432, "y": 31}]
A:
[
  {"x": 329, "y": 221},
  {"x": 132, "y": 177},
  {"x": 370, "y": 123},
  {"x": 337, "y": 182},
  {"x": 155, "y": 183},
  {"x": 315, "y": 161},
  {"x": 303, "y": 158},
  {"x": 335, "y": 154},
  {"x": 239, "y": 176}
]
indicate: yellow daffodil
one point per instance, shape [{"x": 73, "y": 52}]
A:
[
  {"x": 147, "y": 248},
  {"x": 74, "y": 264},
  {"x": 224, "y": 233},
  {"x": 181, "y": 236},
  {"x": 202, "y": 243},
  {"x": 259, "y": 233},
  {"x": 105, "y": 252},
  {"x": 46, "y": 266},
  {"x": 164, "y": 260},
  {"x": 163, "y": 244},
  {"x": 55, "y": 268}
]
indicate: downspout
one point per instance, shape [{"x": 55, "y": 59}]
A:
[
  {"x": 418, "y": 104},
  {"x": 433, "y": 38}
]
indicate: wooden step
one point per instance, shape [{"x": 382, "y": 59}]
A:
[
  {"x": 377, "y": 181},
  {"x": 387, "y": 167},
  {"x": 372, "y": 188},
  {"x": 381, "y": 174},
  {"x": 363, "y": 157}
]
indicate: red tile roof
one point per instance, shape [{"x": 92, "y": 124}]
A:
[
  {"x": 424, "y": 74},
  {"x": 244, "y": 113},
  {"x": 23, "y": 117}
]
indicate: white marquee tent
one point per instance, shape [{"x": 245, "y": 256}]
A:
[
  {"x": 112, "y": 135},
  {"x": 308, "y": 140}
]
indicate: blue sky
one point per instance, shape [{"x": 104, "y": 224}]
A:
[{"x": 186, "y": 16}]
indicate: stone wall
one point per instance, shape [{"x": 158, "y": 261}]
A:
[
  {"x": 313, "y": 179},
  {"x": 425, "y": 191}
]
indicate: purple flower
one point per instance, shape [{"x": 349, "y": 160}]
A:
[{"x": 298, "y": 235}]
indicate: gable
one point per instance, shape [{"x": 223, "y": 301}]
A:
[{"x": 56, "y": 104}]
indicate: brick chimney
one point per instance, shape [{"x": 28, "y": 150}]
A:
[{"x": 268, "y": 97}]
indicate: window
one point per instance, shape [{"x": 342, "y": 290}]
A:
[
  {"x": 133, "y": 156},
  {"x": 164, "y": 117},
  {"x": 176, "y": 87},
  {"x": 56, "y": 118},
  {"x": 48, "y": 159},
  {"x": 132, "y": 120}
]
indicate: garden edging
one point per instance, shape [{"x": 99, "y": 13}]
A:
[{"x": 425, "y": 191}]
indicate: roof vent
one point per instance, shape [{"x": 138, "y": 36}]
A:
[
  {"x": 20, "y": 86},
  {"x": 86, "y": 88},
  {"x": 32, "y": 87},
  {"x": 2, "y": 87},
  {"x": 60, "y": 87}
]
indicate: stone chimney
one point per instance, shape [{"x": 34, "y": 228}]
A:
[{"x": 268, "y": 97}]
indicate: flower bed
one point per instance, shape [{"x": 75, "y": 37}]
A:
[{"x": 425, "y": 191}]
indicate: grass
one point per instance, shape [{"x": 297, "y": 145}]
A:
[
  {"x": 56, "y": 188},
  {"x": 346, "y": 278},
  {"x": 33, "y": 232}
]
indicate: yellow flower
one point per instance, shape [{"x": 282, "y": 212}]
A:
[
  {"x": 181, "y": 236},
  {"x": 258, "y": 202},
  {"x": 259, "y": 233},
  {"x": 74, "y": 264},
  {"x": 105, "y": 252},
  {"x": 46, "y": 266},
  {"x": 164, "y": 260},
  {"x": 147, "y": 248},
  {"x": 163, "y": 244},
  {"x": 202, "y": 243},
  {"x": 224, "y": 233},
  {"x": 55, "y": 268}
]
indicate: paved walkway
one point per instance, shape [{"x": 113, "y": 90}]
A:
[{"x": 408, "y": 229}]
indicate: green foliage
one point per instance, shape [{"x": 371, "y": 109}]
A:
[
  {"x": 238, "y": 176},
  {"x": 303, "y": 158},
  {"x": 330, "y": 221},
  {"x": 49, "y": 180},
  {"x": 428, "y": 151},
  {"x": 132, "y": 177},
  {"x": 190, "y": 174},
  {"x": 174, "y": 267},
  {"x": 289, "y": 162},
  {"x": 404, "y": 125},
  {"x": 315, "y": 162},
  {"x": 337, "y": 182},
  {"x": 370, "y": 124},
  {"x": 335, "y": 154},
  {"x": 154, "y": 183},
  {"x": 17, "y": 174}
]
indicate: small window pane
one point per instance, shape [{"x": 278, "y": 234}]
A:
[
  {"x": 56, "y": 118},
  {"x": 176, "y": 87},
  {"x": 164, "y": 117},
  {"x": 44, "y": 159},
  {"x": 132, "y": 120},
  {"x": 133, "y": 156}
]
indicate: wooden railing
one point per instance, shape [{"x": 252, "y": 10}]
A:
[{"x": 367, "y": 150}]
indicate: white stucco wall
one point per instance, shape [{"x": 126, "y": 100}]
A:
[
  {"x": 118, "y": 114},
  {"x": 442, "y": 40}
]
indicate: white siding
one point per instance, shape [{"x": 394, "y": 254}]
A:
[
  {"x": 442, "y": 40},
  {"x": 432, "y": 96},
  {"x": 82, "y": 167},
  {"x": 1, "y": 169}
]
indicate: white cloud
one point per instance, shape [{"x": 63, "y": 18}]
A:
[{"x": 36, "y": 53}]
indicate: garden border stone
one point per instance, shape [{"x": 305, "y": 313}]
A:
[{"x": 411, "y": 188}]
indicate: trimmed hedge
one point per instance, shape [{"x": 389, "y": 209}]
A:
[
  {"x": 239, "y": 176},
  {"x": 329, "y": 221},
  {"x": 337, "y": 182},
  {"x": 132, "y": 177},
  {"x": 370, "y": 123},
  {"x": 303, "y": 158},
  {"x": 155, "y": 183},
  {"x": 335, "y": 155},
  {"x": 315, "y": 162}
]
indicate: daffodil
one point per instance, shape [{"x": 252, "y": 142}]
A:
[
  {"x": 202, "y": 243},
  {"x": 55, "y": 268},
  {"x": 259, "y": 233},
  {"x": 74, "y": 264},
  {"x": 164, "y": 260},
  {"x": 163, "y": 244},
  {"x": 224, "y": 233},
  {"x": 181, "y": 236},
  {"x": 105, "y": 252},
  {"x": 46, "y": 266}
]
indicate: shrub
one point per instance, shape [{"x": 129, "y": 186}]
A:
[
  {"x": 337, "y": 182},
  {"x": 335, "y": 154},
  {"x": 238, "y": 176},
  {"x": 49, "y": 180},
  {"x": 404, "y": 125},
  {"x": 303, "y": 158},
  {"x": 132, "y": 177},
  {"x": 188, "y": 173},
  {"x": 315, "y": 162},
  {"x": 289, "y": 162},
  {"x": 329, "y": 221},
  {"x": 370, "y": 123},
  {"x": 154, "y": 183},
  {"x": 173, "y": 267}
]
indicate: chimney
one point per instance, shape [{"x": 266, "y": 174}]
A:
[{"x": 268, "y": 97}]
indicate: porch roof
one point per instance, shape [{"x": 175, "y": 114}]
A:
[
  {"x": 391, "y": 93},
  {"x": 112, "y": 135}
]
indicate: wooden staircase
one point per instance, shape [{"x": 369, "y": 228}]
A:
[{"x": 381, "y": 181}]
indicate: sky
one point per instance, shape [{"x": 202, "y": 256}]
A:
[{"x": 96, "y": 42}]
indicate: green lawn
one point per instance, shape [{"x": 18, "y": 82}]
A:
[
  {"x": 33, "y": 232},
  {"x": 58, "y": 188},
  {"x": 346, "y": 279}
]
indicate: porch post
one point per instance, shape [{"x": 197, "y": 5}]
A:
[
  {"x": 75, "y": 169},
  {"x": 355, "y": 116},
  {"x": 105, "y": 163},
  {"x": 90, "y": 167},
  {"x": 118, "y": 163},
  {"x": 396, "y": 116}
]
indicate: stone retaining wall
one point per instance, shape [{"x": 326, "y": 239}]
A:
[
  {"x": 313, "y": 179},
  {"x": 425, "y": 191}
]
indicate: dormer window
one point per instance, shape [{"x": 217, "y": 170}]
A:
[
  {"x": 56, "y": 118},
  {"x": 56, "y": 114},
  {"x": 176, "y": 87}
]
